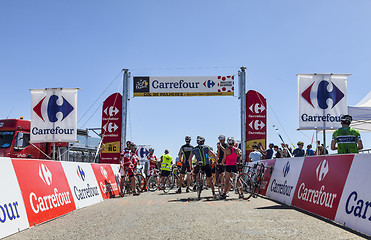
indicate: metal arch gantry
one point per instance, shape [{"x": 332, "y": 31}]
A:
[{"x": 242, "y": 97}]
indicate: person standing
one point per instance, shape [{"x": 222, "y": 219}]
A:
[
  {"x": 166, "y": 161},
  {"x": 269, "y": 154},
  {"x": 255, "y": 155},
  {"x": 348, "y": 139},
  {"x": 183, "y": 155},
  {"x": 310, "y": 151},
  {"x": 220, "y": 155},
  {"x": 202, "y": 153},
  {"x": 299, "y": 151}
]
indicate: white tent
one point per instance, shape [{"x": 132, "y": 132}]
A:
[{"x": 361, "y": 114}]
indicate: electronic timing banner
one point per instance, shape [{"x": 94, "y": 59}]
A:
[
  {"x": 322, "y": 100},
  {"x": 183, "y": 86}
]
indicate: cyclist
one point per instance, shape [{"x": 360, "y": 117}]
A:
[
  {"x": 166, "y": 161},
  {"x": 348, "y": 139},
  {"x": 231, "y": 154},
  {"x": 220, "y": 168},
  {"x": 183, "y": 155},
  {"x": 152, "y": 160},
  {"x": 127, "y": 162},
  {"x": 202, "y": 153}
]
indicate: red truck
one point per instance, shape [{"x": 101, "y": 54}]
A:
[{"x": 15, "y": 143}]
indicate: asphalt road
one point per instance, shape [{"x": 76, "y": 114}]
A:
[{"x": 180, "y": 216}]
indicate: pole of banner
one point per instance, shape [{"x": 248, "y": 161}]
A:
[
  {"x": 242, "y": 82},
  {"x": 53, "y": 150},
  {"x": 125, "y": 97},
  {"x": 324, "y": 141}
]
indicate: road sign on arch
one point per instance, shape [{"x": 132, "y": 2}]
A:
[{"x": 183, "y": 86}]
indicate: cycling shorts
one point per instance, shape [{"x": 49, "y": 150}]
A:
[
  {"x": 205, "y": 168},
  {"x": 165, "y": 173},
  {"x": 130, "y": 172},
  {"x": 185, "y": 168},
  {"x": 220, "y": 169},
  {"x": 231, "y": 168}
]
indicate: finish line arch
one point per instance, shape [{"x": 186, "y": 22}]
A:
[{"x": 185, "y": 87}]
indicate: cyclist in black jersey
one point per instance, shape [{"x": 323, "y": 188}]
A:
[
  {"x": 220, "y": 153},
  {"x": 183, "y": 155}
]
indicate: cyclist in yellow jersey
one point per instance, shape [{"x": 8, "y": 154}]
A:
[{"x": 166, "y": 161}]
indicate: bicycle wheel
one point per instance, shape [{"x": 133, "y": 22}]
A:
[
  {"x": 257, "y": 184},
  {"x": 139, "y": 182},
  {"x": 167, "y": 185},
  {"x": 221, "y": 183},
  {"x": 244, "y": 186},
  {"x": 199, "y": 183},
  {"x": 151, "y": 183}
]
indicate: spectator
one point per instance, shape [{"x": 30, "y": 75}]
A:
[
  {"x": 299, "y": 152},
  {"x": 269, "y": 152},
  {"x": 310, "y": 151},
  {"x": 255, "y": 155},
  {"x": 285, "y": 150},
  {"x": 278, "y": 153}
]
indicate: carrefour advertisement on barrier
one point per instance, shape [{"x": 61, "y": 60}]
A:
[
  {"x": 354, "y": 209},
  {"x": 45, "y": 189},
  {"x": 83, "y": 185},
  {"x": 284, "y": 179},
  {"x": 320, "y": 186},
  {"x": 106, "y": 180},
  {"x": 53, "y": 115},
  {"x": 13, "y": 217},
  {"x": 322, "y": 100},
  {"x": 183, "y": 86}
]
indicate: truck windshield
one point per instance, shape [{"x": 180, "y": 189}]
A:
[{"x": 6, "y": 139}]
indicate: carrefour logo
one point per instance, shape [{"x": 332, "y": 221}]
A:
[
  {"x": 322, "y": 170},
  {"x": 81, "y": 173},
  {"x": 209, "y": 83},
  {"x": 53, "y": 108},
  {"x": 45, "y": 174},
  {"x": 104, "y": 172},
  {"x": 286, "y": 169},
  {"x": 323, "y": 94}
]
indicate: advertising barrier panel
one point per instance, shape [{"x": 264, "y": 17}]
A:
[
  {"x": 106, "y": 180},
  {"x": 82, "y": 182},
  {"x": 45, "y": 189},
  {"x": 354, "y": 209},
  {"x": 284, "y": 179},
  {"x": 321, "y": 184},
  {"x": 13, "y": 217}
]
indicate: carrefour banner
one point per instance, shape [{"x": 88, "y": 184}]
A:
[
  {"x": 54, "y": 115},
  {"x": 322, "y": 100},
  {"x": 183, "y": 86}
]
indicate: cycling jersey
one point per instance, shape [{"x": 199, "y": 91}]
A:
[
  {"x": 202, "y": 154},
  {"x": 221, "y": 154},
  {"x": 126, "y": 157},
  {"x": 231, "y": 159},
  {"x": 186, "y": 150},
  {"x": 166, "y": 162},
  {"x": 346, "y": 138},
  {"x": 153, "y": 158}
]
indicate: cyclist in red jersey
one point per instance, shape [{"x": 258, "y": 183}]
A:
[
  {"x": 126, "y": 162},
  {"x": 231, "y": 154}
]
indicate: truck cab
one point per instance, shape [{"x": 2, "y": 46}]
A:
[{"x": 15, "y": 140}]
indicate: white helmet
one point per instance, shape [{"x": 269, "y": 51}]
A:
[
  {"x": 230, "y": 141},
  {"x": 187, "y": 139},
  {"x": 221, "y": 137}
]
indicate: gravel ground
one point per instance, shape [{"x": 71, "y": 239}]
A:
[{"x": 180, "y": 216}]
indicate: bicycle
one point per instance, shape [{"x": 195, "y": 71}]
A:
[
  {"x": 153, "y": 180},
  {"x": 241, "y": 183},
  {"x": 126, "y": 184},
  {"x": 200, "y": 179},
  {"x": 257, "y": 177},
  {"x": 140, "y": 179}
]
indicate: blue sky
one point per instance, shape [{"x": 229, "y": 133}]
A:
[{"x": 85, "y": 44}]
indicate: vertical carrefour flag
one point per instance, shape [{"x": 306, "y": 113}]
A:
[
  {"x": 322, "y": 100},
  {"x": 53, "y": 115}
]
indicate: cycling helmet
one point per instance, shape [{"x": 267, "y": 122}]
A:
[
  {"x": 151, "y": 150},
  {"x": 128, "y": 143},
  {"x": 187, "y": 139},
  {"x": 230, "y": 141},
  {"x": 134, "y": 147},
  {"x": 221, "y": 137},
  {"x": 347, "y": 119},
  {"x": 200, "y": 140}
]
